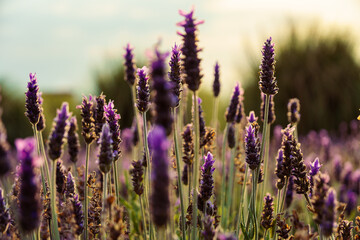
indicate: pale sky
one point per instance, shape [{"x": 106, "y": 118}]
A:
[{"x": 64, "y": 41}]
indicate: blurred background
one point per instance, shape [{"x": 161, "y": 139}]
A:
[{"x": 76, "y": 48}]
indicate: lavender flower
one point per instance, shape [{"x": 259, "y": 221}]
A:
[
  {"x": 240, "y": 111},
  {"x": 143, "y": 90},
  {"x": 288, "y": 146},
  {"x": 328, "y": 222},
  {"x": 70, "y": 186},
  {"x": 88, "y": 121},
  {"x": 271, "y": 115},
  {"x": 252, "y": 148},
  {"x": 351, "y": 202},
  {"x": 231, "y": 136},
  {"x": 209, "y": 231},
  {"x": 207, "y": 180},
  {"x": 60, "y": 178},
  {"x": 314, "y": 169},
  {"x": 202, "y": 129},
  {"x": 191, "y": 61},
  {"x": 225, "y": 236},
  {"x": 32, "y": 105},
  {"x": 73, "y": 141},
  {"x": 164, "y": 98},
  {"x": 175, "y": 73},
  {"x": 216, "y": 84},
  {"x": 188, "y": 145},
  {"x": 252, "y": 118},
  {"x": 57, "y": 135},
  {"x": 293, "y": 111},
  {"x": 283, "y": 228},
  {"x": 4, "y": 213},
  {"x": 29, "y": 199},
  {"x": 99, "y": 114},
  {"x": 267, "y": 213},
  {"x": 232, "y": 108},
  {"x": 268, "y": 83},
  {"x": 79, "y": 215},
  {"x": 159, "y": 200},
  {"x": 129, "y": 65},
  {"x": 106, "y": 149},
  {"x": 137, "y": 173},
  {"x": 318, "y": 198},
  {"x": 113, "y": 120},
  {"x": 301, "y": 181},
  {"x": 280, "y": 170}
]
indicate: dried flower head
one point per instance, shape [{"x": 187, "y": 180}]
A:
[
  {"x": 188, "y": 145},
  {"x": 267, "y": 213},
  {"x": 137, "y": 173},
  {"x": 293, "y": 113}
]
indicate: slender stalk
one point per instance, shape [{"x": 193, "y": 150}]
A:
[
  {"x": 147, "y": 178},
  {"x": 55, "y": 228},
  {"x": 266, "y": 170},
  {"x": 143, "y": 216},
  {"x": 42, "y": 150},
  {"x": 116, "y": 180},
  {"x": 196, "y": 166},
  {"x": 230, "y": 187},
  {"x": 105, "y": 177},
  {"x": 86, "y": 200},
  {"x": 242, "y": 198},
  {"x": 284, "y": 194},
  {"x": 223, "y": 181},
  {"x": 36, "y": 136},
  {"x": 177, "y": 154}
]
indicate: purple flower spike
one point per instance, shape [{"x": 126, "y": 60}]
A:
[
  {"x": 328, "y": 222},
  {"x": 231, "y": 110},
  {"x": 57, "y": 135},
  {"x": 252, "y": 118},
  {"x": 159, "y": 200},
  {"x": 252, "y": 148},
  {"x": 191, "y": 61},
  {"x": 41, "y": 124},
  {"x": 32, "y": 105},
  {"x": 267, "y": 213},
  {"x": 267, "y": 83},
  {"x": 106, "y": 154},
  {"x": 88, "y": 121},
  {"x": 279, "y": 171},
  {"x": 216, "y": 84},
  {"x": 207, "y": 180},
  {"x": 29, "y": 200},
  {"x": 99, "y": 114},
  {"x": 175, "y": 73},
  {"x": 113, "y": 120},
  {"x": 73, "y": 141},
  {"x": 314, "y": 167},
  {"x": 79, "y": 215},
  {"x": 143, "y": 90},
  {"x": 129, "y": 65},
  {"x": 164, "y": 98}
]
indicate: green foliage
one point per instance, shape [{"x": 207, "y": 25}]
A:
[{"x": 321, "y": 71}]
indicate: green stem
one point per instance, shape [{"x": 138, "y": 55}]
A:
[
  {"x": 105, "y": 176},
  {"x": 143, "y": 216},
  {"x": 242, "y": 198},
  {"x": 147, "y": 173},
  {"x": 86, "y": 200},
  {"x": 196, "y": 166},
  {"x": 36, "y": 136},
  {"x": 177, "y": 154},
  {"x": 133, "y": 95},
  {"x": 230, "y": 188},
  {"x": 223, "y": 181},
  {"x": 42, "y": 150},
  {"x": 116, "y": 180},
  {"x": 284, "y": 194},
  {"x": 55, "y": 228}
]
